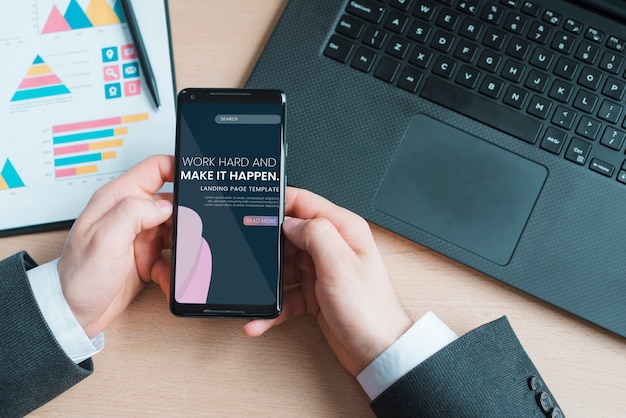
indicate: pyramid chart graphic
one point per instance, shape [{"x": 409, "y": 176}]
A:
[
  {"x": 39, "y": 82},
  {"x": 97, "y": 13},
  {"x": 9, "y": 179}
]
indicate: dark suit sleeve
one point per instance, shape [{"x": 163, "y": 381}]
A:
[
  {"x": 485, "y": 373},
  {"x": 33, "y": 367}
]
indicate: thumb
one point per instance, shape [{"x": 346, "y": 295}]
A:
[
  {"x": 132, "y": 215},
  {"x": 322, "y": 241}
]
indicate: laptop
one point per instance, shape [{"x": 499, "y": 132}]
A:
[{"x": 493, "y": 132}]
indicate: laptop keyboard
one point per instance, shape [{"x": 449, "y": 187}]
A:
[{"x": 532, "y": 72}]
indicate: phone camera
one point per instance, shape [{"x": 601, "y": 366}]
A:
[{"x": 193, "y": 97}]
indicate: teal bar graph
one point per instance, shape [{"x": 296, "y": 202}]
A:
[
  {"x": 64, "y": 139},
  {"x": 79, "y": 159}
]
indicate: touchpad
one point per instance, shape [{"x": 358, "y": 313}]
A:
[{"x": 461, "y": 189}]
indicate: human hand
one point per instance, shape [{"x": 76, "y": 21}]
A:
[
  {"x": 115, "y": 245},
  {"x": 334, "y": 271}
]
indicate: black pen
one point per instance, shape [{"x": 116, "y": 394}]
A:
[{"x": 144, "y": 62}]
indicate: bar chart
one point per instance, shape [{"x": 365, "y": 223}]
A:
[
  {"x": 74, "y": 112},
  {"x": 91, "y": 147}
]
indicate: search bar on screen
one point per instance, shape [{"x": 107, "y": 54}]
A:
[{"x": 247, "y": 119}]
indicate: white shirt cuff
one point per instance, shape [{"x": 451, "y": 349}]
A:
[
  {"x": 427, "y": 336},
  {"x": 45, "y": 283}
]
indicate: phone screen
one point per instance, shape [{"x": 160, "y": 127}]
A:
[{"x": 228, "y": 203}]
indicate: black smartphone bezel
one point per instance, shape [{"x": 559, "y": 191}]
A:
[{"x": 238, "y": 96}]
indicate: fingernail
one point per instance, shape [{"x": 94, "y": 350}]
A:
[
  {"x": 165, "y": 206},
  {"x": 291, "y": 223}
]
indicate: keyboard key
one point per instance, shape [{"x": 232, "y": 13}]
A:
[
  {"x": 573, "y": 26},
  {"x": 465, "y": 51},
  {"x": 396, "y": 22},
  {"x": 366, "y": 9},
  {"x": 564, "y": 117},
  {"x": 513, "y": 71},
  {"x": 589, "y": 128},
  {"x": 587, "y": 52},
  {"x": 349, "y": 27},
  {"x": 442, "y": 41},
  {"x": 447, "y": 19},
  {"x": 489, "y": 61},
  {"x": 424, "y": 9},
  {"x": 553, "y": 140},
  {"x": 589, "y": 78},
  {"x": 594, "y": 35},
  {"x": 398, "y": 47},
  {"x": 537, "y": 81},
  {"x": 471, "y": 29},
  {"x": 420, "y": 57},
  {"x": 551, "y": 17},
  {"x": 611, "y": 62},
  {"x": 482, "y": 109},
  {"x": 374, "y": 37},
  {"x": 539, "y": 107},
  {"x": 539, "y": 33},
  {"x": 492, "y": 13},
  {"x": 610, "y": 112},
  {"x": 444, "y": 66},
  {"x": 410, "y": 79},
  {"x": 585, "y": 101},
  {"x": 616, "y": 44},
  {"x": 491, "y": 87},
  {"x": 531, "y": 9},
  {"x": 469, "y": 6},
  {"x": 518, "y": 49},
  {"x": 613, "y": 138},
  {"x": 614, "y": 88},
  {"x": 401, "y": 4},
  {"x": 338, "y": 48},
  {"x": 563, "y": 42},
  {"x": 602, "y": 167},
  {"x": 419, "y": 31},
  {"x": 515, "y": 23},
  {"x": 542, "y": 58},
  {"x": 387, "y": 69},
  {"x": 363, "y": 59},
  {"x": 578, "y": 151},
  {"x": 494, "y": 38},
  {"x": 515, "y": 97},
  {"x": 561, "y": 91},
  {"x": 467, "y": 77},
  {"x": 565, "y": 68}
]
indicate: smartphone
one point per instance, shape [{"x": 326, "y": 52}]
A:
[{"x": 228, "y": 203}]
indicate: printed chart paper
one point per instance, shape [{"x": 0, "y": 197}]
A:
[{"x": 75, "y": 110}]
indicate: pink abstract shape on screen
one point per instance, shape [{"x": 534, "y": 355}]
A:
[{"x": 194, "y": 261}]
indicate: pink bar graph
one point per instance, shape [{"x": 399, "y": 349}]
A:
[
  {"x": 66, "y": 172},
  {"x": 86, "y": 125},
  {"x": 72, "y": 149}
]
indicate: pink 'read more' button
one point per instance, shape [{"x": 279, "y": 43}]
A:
[{"x": 252, "y": 220}]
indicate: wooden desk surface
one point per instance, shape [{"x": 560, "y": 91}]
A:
[{"x": 157, "y": 365}]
